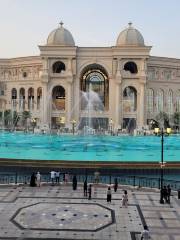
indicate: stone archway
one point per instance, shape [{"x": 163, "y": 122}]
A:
[
  {"x": 58, "y": 106},
  {"x": 94, "y": 96},
  {"x": 95, "y": 78},
  {"x": 129, "y": 108},
  {"x": 129, "y": 99},
  {"x": 58, "y": 98}
]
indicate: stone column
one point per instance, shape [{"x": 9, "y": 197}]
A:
[
  {"x": 69, "y": 114},
  {"x": 35, "y": 100},
  {"x": 26, "y": 99},
  {"x": 141, "y": 103},
  {"x": 118, "y": 102},
  {"x": 76, "y": 106},
  {"x": 45, "y": 104},
  {"x": 45, "y": 101},
  {"x": 68, "y": 103}
]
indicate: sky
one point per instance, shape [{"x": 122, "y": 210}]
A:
[{"x": 25, "y": 24}]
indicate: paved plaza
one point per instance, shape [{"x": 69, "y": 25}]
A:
[{"x": 58, "y": 212}]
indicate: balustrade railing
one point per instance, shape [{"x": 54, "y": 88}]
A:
[{"x": 136, "y": 181}]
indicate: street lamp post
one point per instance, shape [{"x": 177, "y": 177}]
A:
[
  {"x": 111, "y": 126},
  {"x": 73, "y": 125},
  {"x": 33, "y": 122},
  {"x": 162, "y": 163},
  {"x": 62, "y": 122}
]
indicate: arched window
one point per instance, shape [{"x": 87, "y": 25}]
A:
[
  {"x": 30, "y": 99},
  {"x": 160, "y": 101},
  {"x": 58, "y": 67},
  {"x": 170, "y": 102},
  {"x": 58, "y": 98},
  {"x": 150, "y": 100},
  {"x": 14, "y": 93},
  {"x": 129, "y": 99},
  {"x": 178, "y": 101},
  {"x": 14, "y": 97},
  {"x": 39, "y": 97},
  {"x": 94, "y": 88},
  {"x": 131, "y": 67},
  {"x": 22, "y": 99}
]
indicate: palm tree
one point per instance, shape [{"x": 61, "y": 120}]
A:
[
  {"x": 25, "y": 116},
  {"x": 7, "y": 118},
  {"x": 176, "y": 120},
  {"x": 163, "y": 120}
]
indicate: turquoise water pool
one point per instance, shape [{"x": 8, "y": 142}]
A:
[{"x": 88, "y": 148}]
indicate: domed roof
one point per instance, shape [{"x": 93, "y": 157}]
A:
[
  {"x": 60, "y": 36},
  {"x": 130, "y": 36}
]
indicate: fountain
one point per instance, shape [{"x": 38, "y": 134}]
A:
[
  {"x": 129, "y": 108},
  {"x": 91, "y": 105}
]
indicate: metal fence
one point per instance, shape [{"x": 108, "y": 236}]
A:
[{"x": 136, "y": 181}]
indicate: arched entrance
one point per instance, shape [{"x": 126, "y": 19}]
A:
[
  {"x": 13, "y": 98},
  {"x": 39, "y": 97},
  {"x": 129, "y": 108},
  {"x": 58, "y": 106},
  {"x": 94, "y": 98},
  {"x": 58, "y": 98},
  {"x": 31, "y": 99},
  {"x": 21, "y": 99}
]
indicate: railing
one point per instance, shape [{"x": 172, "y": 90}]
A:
[{"x": 136, "y": 181}]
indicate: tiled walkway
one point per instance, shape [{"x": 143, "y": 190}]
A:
[{"x": 58, "y": 212}]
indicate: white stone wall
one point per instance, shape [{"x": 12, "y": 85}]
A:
[{"x": 153, "y": 73}]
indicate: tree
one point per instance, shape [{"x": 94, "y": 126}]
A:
[
  {"x": 176, "y": 120},
  {"x": 25, "y": 116},
  {"x": 163, "y": 120},
  {"x": 7, "y": 117}
]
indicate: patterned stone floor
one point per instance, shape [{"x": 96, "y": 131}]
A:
[{"x": 58, "y": 212}]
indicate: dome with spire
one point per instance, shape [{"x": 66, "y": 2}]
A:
[
  {"x": 130, "y": 37},
  {"x": 60, "y": 36}
]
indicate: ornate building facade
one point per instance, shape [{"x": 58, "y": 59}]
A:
[{"x": 132, "y": 86}]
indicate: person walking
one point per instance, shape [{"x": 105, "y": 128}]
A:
[
  {"x": 38, "y": 179},
  {"x": 165, "y": 193},
  {"x": 168, "y": 194},
  {"x": 109, "y": 195},
  {"x": 33, "y": 180},
  {"x": 125, "y": 199},
  {"x": 145, "y": 234},
  {"x": 57, "y": 177},
  {"x": 53, "y": 175},
  {"x": 89, "y": 191},
  {"x": 115, "y": 185},
  {"x": 74, "y": 182},
  {"x": 85, "y": 188}
]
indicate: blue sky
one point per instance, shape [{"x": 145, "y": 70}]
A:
[{"x": 25, "y": 24}]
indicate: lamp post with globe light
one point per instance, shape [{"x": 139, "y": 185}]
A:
[
  {"x": 33, "y": 123},
  {"x": 161, "y": 132}
]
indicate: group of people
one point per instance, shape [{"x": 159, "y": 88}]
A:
[
  {"x": 124, "y": 196},
  {"x": 54, "y": 175},
  {"x": 35, "y": 179}
]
